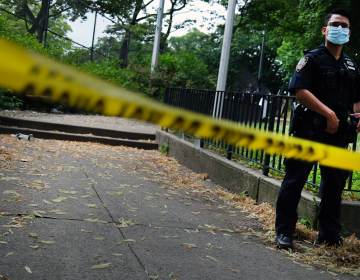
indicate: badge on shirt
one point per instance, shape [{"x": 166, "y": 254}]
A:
[
  {"x": 349, "y": 64},
  {"x": 302, "y": 63}
]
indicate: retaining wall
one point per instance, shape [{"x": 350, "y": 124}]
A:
[{"x": 237, "y": 178}]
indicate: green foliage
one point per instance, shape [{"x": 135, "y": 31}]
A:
[
  {"x": 306, "y": 222},
  {"x": 109, "y": 71},
  {"x": 292, "y": 26},
  {"x": 192, "y": 60},
  {"x": 14, "y": 30},
  {"x": 136, "y": 78},
  {"x": 184, "y": 69},
  {"x": 206, "y": 47},
  {"x": 8, "y": 101},
  {"x": 164, "y": 148}
]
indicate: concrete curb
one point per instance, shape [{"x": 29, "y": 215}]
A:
[
  {"x": 146, "y": 145},
  {"x": 238, "y": 178}
]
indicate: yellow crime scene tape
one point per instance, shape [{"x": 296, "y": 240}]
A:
[{"x": 27, "y": 73}]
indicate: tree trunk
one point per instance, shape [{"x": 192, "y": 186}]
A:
[
  {"x": 125, "y": 46},
  {"x": 124, "y": 50},
  {"x": 43, "y": 20},
  {"x": 38, "y": 22}
]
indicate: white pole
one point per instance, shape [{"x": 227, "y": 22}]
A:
[
  {"x": 224, "y": 60},
  {"x": 261, "y": 57},
  {"x": 156, "y": 47}
]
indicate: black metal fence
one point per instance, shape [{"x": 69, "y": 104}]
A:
[{"x": 267, "y": 112}]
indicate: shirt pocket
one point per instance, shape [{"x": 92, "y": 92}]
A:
[{"x": 329, "y": 79}]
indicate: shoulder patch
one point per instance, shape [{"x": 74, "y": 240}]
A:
[{"x": 302, "y": 63}]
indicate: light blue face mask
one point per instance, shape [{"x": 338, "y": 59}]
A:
[{"x": 338, "y": 35}]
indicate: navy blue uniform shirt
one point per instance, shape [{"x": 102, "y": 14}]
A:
[{"x": 336, "y": 83}]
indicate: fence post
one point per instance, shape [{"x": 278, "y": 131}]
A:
[
  {"x": 351, "y": 174},
  {"x": 229, "y": 152},
  {"x": 273, "y": 108}
]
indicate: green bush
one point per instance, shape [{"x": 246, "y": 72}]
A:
[
  {"x": 109, "y": 70},
  {"x": 8, "y": 101},
  {"x": 183, "y": 69}
]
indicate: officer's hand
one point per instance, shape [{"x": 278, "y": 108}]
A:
[
  {"x": 357, "y": 115},
  {"x": 332, "y": 123}
]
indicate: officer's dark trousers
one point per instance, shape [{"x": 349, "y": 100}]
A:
[{"x": 332, "y": 184}]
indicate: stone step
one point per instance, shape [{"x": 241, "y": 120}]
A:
[
  {"x": 50, "y": 126},
  {"x": 58, "y": 135}
]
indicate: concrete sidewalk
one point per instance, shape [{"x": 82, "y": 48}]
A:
[{"x": 87, "y": 211}]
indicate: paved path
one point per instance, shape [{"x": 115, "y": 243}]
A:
[
  {"x": 97, "y": 121},
  {"x": 87, "y": 211}
]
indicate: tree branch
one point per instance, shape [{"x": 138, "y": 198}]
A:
[
  {"x": 58, "y": 13},
  {"x": 173, "y": 3},
  {"x": 147, "y": 4},
  {"x": 145, "y": 17},
  {"x": 28, "y": 12},
  {"x": 241, "y": 10}
]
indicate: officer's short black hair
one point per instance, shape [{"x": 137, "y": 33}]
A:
[{"x": 340, "y": 12}]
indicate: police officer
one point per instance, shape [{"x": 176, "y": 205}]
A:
[{"x": 326, "y": 84}]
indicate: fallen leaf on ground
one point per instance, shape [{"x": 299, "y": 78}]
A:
[
  {"x": 48, "y": 242},
  {"x": 9, "y": 178},
  {"x": 33, "y": 205},
  {"x": 99, "y": 238},
  {"x": 28, "y": 269},
  {"x": 38, "y": 213},
  {"x": 48, "y": 202},
  {"x": 59, "y": 199},
  {"x": 58, "y": 212},
  {"x": 36, "y": 185},
  {"x": 189, "y": 246},
  {"x": 125, "y": 223},
  {"x": 101, "y": 266},
  {"x": 33, "y": 235},
  {"x": 68, "y": 192},
  {"x": 119, "y": 194},
  {"x": 91, "y": 205},
  {"x": 14, "y": 195},
  {"x": 212, "y": 258}
]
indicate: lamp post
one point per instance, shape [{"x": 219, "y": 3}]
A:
[
  {"x": 156, "y": 47},
  {"x": 261, "y": 62},
  {"x": 224, "y": 60}
]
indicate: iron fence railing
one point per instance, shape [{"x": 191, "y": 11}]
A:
[{"x": 262, "y": 111}]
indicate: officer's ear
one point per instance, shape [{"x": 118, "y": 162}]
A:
[{"x": 323, "y": 30}]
